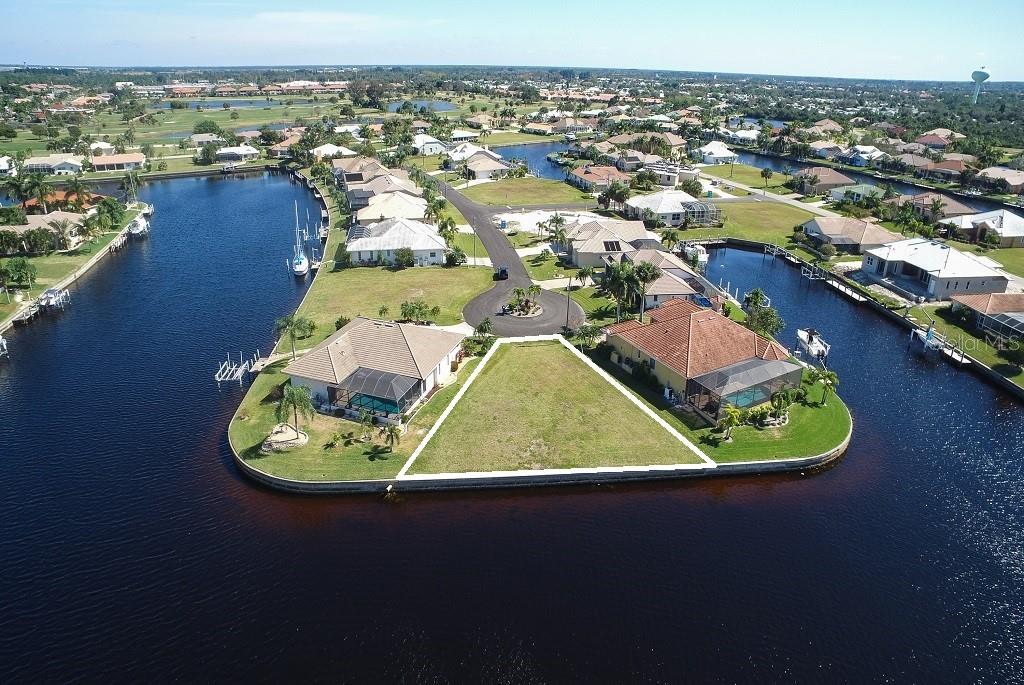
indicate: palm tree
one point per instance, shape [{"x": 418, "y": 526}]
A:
[
  {"x": 616, "y": 283},
  {"x": 63, "y": 228},
  {"x": 935, "y": 209},
  {"x": 294, "y": 326},
  {"x": 587, "y": 334},
  {"x": 584, "y": 274},
  {"x": 15, "y": 187},
  {"x": 484, "y": 328},
  {"x": 558, "y": 237},
  {"x": 447, "y": 230},
  {"x": 90, "y": 227},
  {"x": 534, "y": 292},
  {"x": 670, "y": 238},
  {"x": 38, "y": 187},
  {"x": 829, "y": 381},
  {"x": 365, "y": 424},
  {"x": 732, "y": 418},
  {"x": 644, "y": 274},
  {"x": 77, "y": 192},
  {"x": 435, "y": 208},
  {"x": 519, "y": 295},
  {"x": 383, "y": 310},
  {"x": 780, "y": 401},
  {"x": 766, "y": 174},
  {"x": 295, "y": 400},
  {"x": 392, "y": 435}
]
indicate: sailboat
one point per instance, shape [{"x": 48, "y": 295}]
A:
[{"x": 300, "y": 264}]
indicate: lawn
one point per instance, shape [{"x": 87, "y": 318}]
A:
[
  {"x": 600, "y": 308},
  {"x": 427, "y": 163},
  {"x": 767, "y": 222},
  {"x": 361, "y": 290},
  {"x": 350, "y": 459},
  {"x": 748, "y": 175},
  {"x": 470, "y": 242},
  {"x": 537, "y": 406},
  {"x": 969, "y": 340},
  {"x": 526, "y": 191},
  {"x": 1012, "y": 258},
  {"x": 526, "y": 239},
  {"x": 812, "y": 429},
  {"x": 542, "y": 267}
]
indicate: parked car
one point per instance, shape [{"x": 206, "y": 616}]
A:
[{"x": 501, "y": 273}]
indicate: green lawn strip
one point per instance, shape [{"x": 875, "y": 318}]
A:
[
  {"x": 812, "y": 429},
  {"x": 427, "y": 162},
  {"x": 1012, "y": 258},
  {"x": 361, "y": 290},
  {"x": 468, "y": 242},
  {"x": 542, "y": 267},
  {"x": 526, "y": 239},
  {"x": 767, "y": 222},
  {"x": 537, "y": 406},
  {"x": 748, "y": 175},
  {"x": 351, "y": 459},
  {"x": 599, "y": 308},
  {"x": 971, "y": 341},
  {"x": 453, "y": 212},
  {"x": 525, "y": 191}
]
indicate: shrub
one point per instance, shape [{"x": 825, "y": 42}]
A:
[
  {"x": 828, "y": 250},
  {"x": 341, "y": 322},
  {"x": 404, "y": 258}
]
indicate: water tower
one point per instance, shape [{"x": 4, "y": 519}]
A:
[{"x": 979, "y": 77}]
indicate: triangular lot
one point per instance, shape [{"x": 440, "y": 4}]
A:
[{"x": 539, "y": 405}]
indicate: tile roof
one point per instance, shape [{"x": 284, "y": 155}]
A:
[{"x": 993, "y": 303}]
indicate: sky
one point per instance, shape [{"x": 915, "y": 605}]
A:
[{"x": 891, "y": 39}]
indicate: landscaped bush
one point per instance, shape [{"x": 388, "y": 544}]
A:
[{"x": 404, "y": 258}]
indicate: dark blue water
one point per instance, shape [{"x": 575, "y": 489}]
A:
[
  {"x": 781, "y": 165},
  {"x": 131, "y": 550},
  {"x": 774, "y": 123},
  {"x": 436, "y": 105},
  {"x": 535, "y": 156}
]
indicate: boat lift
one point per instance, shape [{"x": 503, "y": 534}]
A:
[
  {"x": 4, "y": 352},
  {"x": 230, "y": 370}
]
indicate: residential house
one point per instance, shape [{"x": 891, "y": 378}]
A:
[
  {"x": 128, "y": 161},
  {"x": 355, "y": 170},
  {"x": 742, "y": 136},
  {"x": 392, "y": 206},
  {"x": 480, "y": 121},
  {"x": 999, "y": 314},
  {"x": 847, "y": 234},
  {"x": 923, "y": 205},
  {"x": 101, "y": 148},
  {"x": 43, "y": 221},
  {"x": 933, "y": 141},
  {"x": 571, "y": 125},
  {"x": 629, "y": 140},
  {"x": 704, "y": 359},
  {"x": 856, "y": 192},
  {"x": 1006, "y": 226},
  {"x": 57, "y": 164},
  {"x": 539, "y": 128},
  {"x": 670, "y": 174},
  {"x": 932, "y": 270},
  {"x": 828, "y": 126},
  {"x": 378, "y": 241},
  {"x": 7, "y": 167},
  {"x": 821, "y": 179},
  {"x": 912, "y": 161},
  {"x": 422, "y": 144},
  {"x": 862, "y": 155},
  {"x": 237, "y": 153},
  {"x": 284, "y": 148},
  {"x": 631, "y": 160},
  {"x": 891, "y": 129},
  {"x": 381, "y": 367},
  {"x": 946, "y": 133},
  {"x": 330, "y": 151},
  {"x": 359, "y": 194},
  {"x": 948, "y": 170},
  {"x": 716, "y": 152},
  {"x": 595, "y": 178},
  {"x": 825, "y": 149},
  {"x": 461, "y": 153},
  {"x": 677, "y": 279},
  {"x": 484, "y": 166},
  {"x": 673, "y": 208},
  {"x": 1014, "y": 177},
  {"x": 198, "y": 140},
  {"x": 461, "y": 136},
  {"x": 598, "y": 242}
]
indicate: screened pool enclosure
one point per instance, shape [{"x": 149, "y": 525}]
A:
[
  {"x": 377, "y": 392},
  {"x": 743, "y": 385}
]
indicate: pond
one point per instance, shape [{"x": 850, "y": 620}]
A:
[{"x": 436, "y": 105}]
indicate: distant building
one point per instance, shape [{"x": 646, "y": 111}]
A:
[
  {"x": 128, "y": 161},
  {"x": 932, "y": 270},
  {"x": 237, "y": 153},
  {"x": 59, "y": 164}
]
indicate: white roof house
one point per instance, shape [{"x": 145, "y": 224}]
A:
[
  {"x": 238, "y": 152},
  {"x": 58, "y": 163},
  {"x": 745, "y": 136},
  {"x": 427, "y": 145},
  {"x": 662, "y": 202},
  {"x": 1007, "y": 225},
  {"x": 101, "y": 148},
  {"x": 932, "y": 269},
  {"x": 717, "y": 152},
  {"x": 673, "y": 207},
  {"x": 7, "y": 167},
  {"x": 459, "y": 135},
  {"x": 379, "y": 240},
  {"x": 396, "y": 205},
  {"x": 332, "y": 150},
  {"x": 934, "y": 257},
  {"x": 464, "y": 151}
]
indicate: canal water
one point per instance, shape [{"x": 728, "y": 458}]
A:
[
  {"x": 132, "y": 550},
  {"x": 535, "y": 156}
]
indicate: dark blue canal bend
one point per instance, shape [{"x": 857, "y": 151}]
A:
[{"x": 131, "y": 549}]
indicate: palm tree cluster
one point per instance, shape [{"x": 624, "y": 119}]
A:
[
  {"x": 616, "y": 194},
  {"x": 627, "y": 284},
  {"x": 524, "y": 300},
  {"x": 419, "y": 311},
  {"x": 294, "y": 326}
]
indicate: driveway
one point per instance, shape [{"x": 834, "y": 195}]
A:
[{"x": 490, "y": 303}]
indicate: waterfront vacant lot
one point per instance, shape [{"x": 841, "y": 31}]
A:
[
  {"x": 336, "y": 449},
  {"x": 749, "y": 175},
  {"x": 538, "y": 406},
  {"x": 526, "y": 191},
  {"x": 766, "y": 222}
]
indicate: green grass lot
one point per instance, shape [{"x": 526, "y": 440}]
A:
[
  {"x": 520, "y": 414},
  {"x": 971, "y": 341},
  {"x": 526, "y": 239},
  {"x": 516, "y": 138},
  {"x": 351, "y": 459},
  {"x": 748, "y": 175},
  {"x": 526, "y": 191},
  {"x": 57, "y": 266},
  {"x": 543, "y": 267},
  {"x": 361, "y": 290},
  {"x": 469, "y": 242},
  {"x": 453, "y": 211},
  {"x": 812, "y": 429},
  {"x": 427, "y": 163},
  {"x": 600, "y": 308},
  {"x": 769, "y": 222},
  {"x": 1012, "y": 258}
]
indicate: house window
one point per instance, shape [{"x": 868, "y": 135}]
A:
[
  {"x": 650, "y": 363},
  {"x": 433, "y": 254},
  {"x": 675, "y": 217}
]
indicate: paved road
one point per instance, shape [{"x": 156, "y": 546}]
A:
[
  {"x": 759, "y": 194},
  {"x": 490, "y": 303}
]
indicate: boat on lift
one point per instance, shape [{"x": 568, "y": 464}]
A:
[
  {"x": 139, "y": 227},
  {"x": 811, "y": 342},
  {"x": 299, "y": 263},
  {"x": 696, "y": 252},
  {"x": 4, "y": 352}
]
